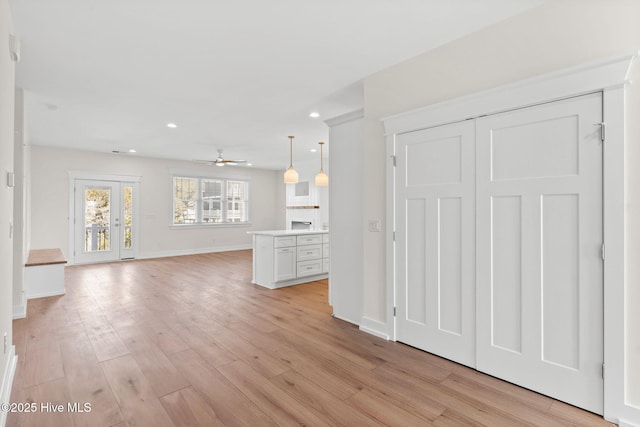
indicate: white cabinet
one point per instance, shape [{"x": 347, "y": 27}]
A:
[
  {"x": 284, "y": 264},
  {"x": 285, "y": 258}
]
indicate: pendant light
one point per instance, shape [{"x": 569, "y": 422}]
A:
[
  {"x": 322, "y": 180},
  {"x": 291, "y": 176}
]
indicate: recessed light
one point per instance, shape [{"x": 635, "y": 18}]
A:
[
  {"x": 172, "y": 125},
  {"x": 315, "y": 114},
  {"x": 249, "y": 164},
  {"x": 132, "y": 150},
  {"x": 313, "y": 150}
]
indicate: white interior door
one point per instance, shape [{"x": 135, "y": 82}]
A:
[
  {"x": 499, "y": 246},
  {"x": 539, "y": 241},
  {"x": 104, "y": 220},
  {"x": 435, "y": 243}
]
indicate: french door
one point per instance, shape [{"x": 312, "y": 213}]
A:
[
  {"x": 104, "y": 220},
  {"x": 505, "y": 211}
]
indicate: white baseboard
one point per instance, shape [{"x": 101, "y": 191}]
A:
[
  {"x": 20, "y": 311},
  {"x": 44, "y": 295},
  {"x": 374, "y": 327},
  {"x": 164, "y": 254},
  {"x": 346, "y": 319},
  {"x": 7, "y": 382}
]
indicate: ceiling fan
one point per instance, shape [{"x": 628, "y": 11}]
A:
[{"x": 221, "y": 161}]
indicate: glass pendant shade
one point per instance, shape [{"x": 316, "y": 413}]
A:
[
  {"x": 291, "y": 176},
  {"x": 322, "y": 179}
]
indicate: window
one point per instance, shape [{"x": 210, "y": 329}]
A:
[{"x": 209, "y": 201}]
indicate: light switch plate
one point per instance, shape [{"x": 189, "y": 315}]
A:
[{"x": 374, "y": 225}]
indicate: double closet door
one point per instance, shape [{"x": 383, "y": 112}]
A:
[{"x": 499, "y": 246}]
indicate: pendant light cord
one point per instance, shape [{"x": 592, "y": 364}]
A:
[{"x": 291, "y": 152}]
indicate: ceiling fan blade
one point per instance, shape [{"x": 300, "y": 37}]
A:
[
  {"x": 206, "y": 162},
  {"x": 221, "y": 161}
]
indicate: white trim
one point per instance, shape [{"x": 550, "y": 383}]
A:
[
  {"x": 20, "y": 312},
  {"x": 374, "y": 327},
  {"x": 103, "y": 177},
  {"x": 611, "y": 77},
  {"x": 7, "y": 382},
  {"x": 595, "y": 76},
  {"x": 346, "y": 319},
  {"x": 181, "y": 252},
  {"x": 47, "y": 294},
  {"x": 615, "y": 406},
  {"x": 390, "y": 244},
  {"x": 190, "y": 173},
  {"x": 208, "y": 225},
  {"x": 293, "y": 282}
]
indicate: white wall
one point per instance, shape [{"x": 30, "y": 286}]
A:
[
  {"x": 7, "y": 84},
  {"x": 556, "y": 35},
  {"x": 50, "y": 201},
  {"x": 345, "y": 216}
]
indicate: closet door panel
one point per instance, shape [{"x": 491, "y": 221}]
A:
[
  {"x": 539, "y": 236},
  {"x": 435, "y": 283}
]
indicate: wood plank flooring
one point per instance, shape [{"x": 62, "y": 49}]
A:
[{"x": 189, "y": 341}]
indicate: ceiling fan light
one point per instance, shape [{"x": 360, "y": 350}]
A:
[
  {"x": 219, "y": 163},
  {"x": 291, "y": 176}
]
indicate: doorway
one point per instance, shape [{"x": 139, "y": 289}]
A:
[{"x": 104, "y": 220}]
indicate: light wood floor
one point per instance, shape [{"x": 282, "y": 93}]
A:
[{"x": 188, "y": 341}]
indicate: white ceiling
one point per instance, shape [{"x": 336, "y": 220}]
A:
[{"x": 236, "y": 75}]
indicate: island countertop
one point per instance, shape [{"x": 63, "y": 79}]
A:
[{"x": 276, "y": 233}]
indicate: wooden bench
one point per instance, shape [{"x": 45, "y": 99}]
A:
[{"x": 44, "y": 274}]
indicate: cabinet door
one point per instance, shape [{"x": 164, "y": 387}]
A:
[{"x": 285, "y": 264}]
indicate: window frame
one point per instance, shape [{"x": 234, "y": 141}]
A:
[{"x": 200, "y": 201}]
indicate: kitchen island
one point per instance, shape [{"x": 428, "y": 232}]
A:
[{"x": 289, "y": 257}]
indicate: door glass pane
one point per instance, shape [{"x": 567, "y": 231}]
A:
[
  {"x": 128, "y": 215},
  {"x": 97, "y": 219}
]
